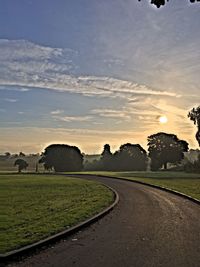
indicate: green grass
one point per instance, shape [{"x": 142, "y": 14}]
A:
[
  {"x": 36, "y": 206},
  {"x": 186, "y": 183}
]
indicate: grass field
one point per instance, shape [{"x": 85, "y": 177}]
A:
[
  {"x": 186, "y": 183},
  {"x": 36, "y": 206},
  {"x": 7, "y": 165}
]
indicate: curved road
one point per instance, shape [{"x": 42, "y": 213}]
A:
[{"x": 148, "y": 228}]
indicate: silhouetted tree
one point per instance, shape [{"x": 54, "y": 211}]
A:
[
  {"x": 62, "y": 158},
  {"x": 159, "y": 3},
  {"x": 106, "y": 151},
  {"x": 21, "y": 154},
  {"x": 22, "y": 164},
  {"x": 106, "y": 158},
  {"x": 130, "y": 157},
  {"x": 7, "y": 154},
  {"x": 194, "y": 115},
  {"x": 165, "y": 148}
]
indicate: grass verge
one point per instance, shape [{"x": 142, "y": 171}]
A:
[
  {"x": 186, "y": 183},
  {"x": 36, "y": 206}
]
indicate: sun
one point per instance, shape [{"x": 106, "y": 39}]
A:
[{"x": 163, "y": 119}]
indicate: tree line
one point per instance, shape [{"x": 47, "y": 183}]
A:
[{"x": 163, "y": 148}]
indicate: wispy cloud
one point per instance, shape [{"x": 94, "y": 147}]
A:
[
  {"x": 57, "y": 111},
  {"x": 11, "y": 100},
  {"x": 14, "y": 88},
  {"x": 24, "y": 89},
  {"x": 111, "y": 113},
  {"x": 73, "y": 118},
  {"x": 27, "y": 65}
]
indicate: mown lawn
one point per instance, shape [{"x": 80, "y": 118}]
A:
[
  {"x": 36, "y": 206},
  {"x": 187, "y": 183}
]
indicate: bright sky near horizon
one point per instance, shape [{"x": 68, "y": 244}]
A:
[{"x": 91, "y": 72}]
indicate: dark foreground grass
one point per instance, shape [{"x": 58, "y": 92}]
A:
[
  {"x": 36, "y": 206},
  {"x": 186, "y": 183}
]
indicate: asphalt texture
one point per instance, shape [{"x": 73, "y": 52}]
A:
[{"x": 148, "y": 228}]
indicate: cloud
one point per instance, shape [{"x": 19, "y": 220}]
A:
[
  {"x": 28, "y": 65},
  {"x": 111, "y": 113},
  {"x": 73, "y": 118},
  {"x": 11, "y": 100},
  {"x": 14, "y": 88},
  {"x": 23, "y": 89},
  {"x": 13, "y": 123},
  {"x": 56, "y": 112}
]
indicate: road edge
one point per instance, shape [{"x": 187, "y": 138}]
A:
[
  {"x": 169, "y": 190},
  {"x": 25, "y": 251}
]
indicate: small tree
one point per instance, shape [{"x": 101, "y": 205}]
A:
[
  {"x": 22, "y": 164},
  {"x": 194, "y": 115}
]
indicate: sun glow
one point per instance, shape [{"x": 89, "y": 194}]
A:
[{"x": 163, "y": 119}]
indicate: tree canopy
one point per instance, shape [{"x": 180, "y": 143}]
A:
[
  {"x": 62, "y": 158},
  {"x": 194, "y": 115},
  {"x": 130, "y": 157},
  {"x": 165, "y": 148},
  {"x": 159, "y": 3}
]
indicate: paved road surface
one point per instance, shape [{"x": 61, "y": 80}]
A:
[{"x": 148, "y": 228}]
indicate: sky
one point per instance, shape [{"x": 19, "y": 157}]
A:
[{"x": 91, "y": 72}]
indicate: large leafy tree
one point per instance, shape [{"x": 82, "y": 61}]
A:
[
  {"x": 62, "y": 158},
  {"x": 165, "y": 148},
  {"x": 130, "y": 157},
  {"x": 159, "y": 3},
  {"x": 22, "y": 164},
  {"x": 194, "y": 115}
]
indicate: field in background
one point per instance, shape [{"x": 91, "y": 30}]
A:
[
  {"x": 187, "y": 183},
  {"x": 7, "y": 165},
  {"x": 36, "y": 206}
]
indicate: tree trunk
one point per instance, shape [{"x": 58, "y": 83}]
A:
[
  {"x": 165, "y": 165},
  {"x": 198, "y": 135}
]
